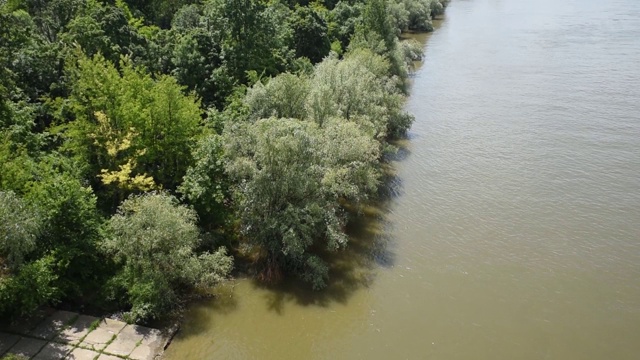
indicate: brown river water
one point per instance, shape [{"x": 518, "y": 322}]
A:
[{"x": 513, "y": 226}]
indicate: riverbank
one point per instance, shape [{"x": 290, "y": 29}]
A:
[{"x": 56, "y": 334}]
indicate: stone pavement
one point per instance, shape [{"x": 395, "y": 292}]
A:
[{"x": 58, "y": 335}]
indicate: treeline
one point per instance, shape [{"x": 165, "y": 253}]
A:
[{"x": 144, "y": 142}]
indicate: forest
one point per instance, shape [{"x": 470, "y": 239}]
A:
[{"x": 147, "y": 146}]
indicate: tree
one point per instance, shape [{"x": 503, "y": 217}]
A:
[
  {"x": 249, "y": 37},
  {"x": 283, "y": 96},
  {"x": 33, "y": 285},
  {"x": 376, "y": 20},
  {"x": 418, "y": 14},
  {"x": 104, "y": 29},
  {"x": 19, "y": 229},
  {"x": 70, "y": 227},
  {"x": 359, "y": 89},
  {"x": 310, "y": 34},
  {"x": 154, "y": 240},
  {"x": 343, "y": 20},
  {"x": 291, "y": 174},
  {"x": 129, "y": 126},
  {"x": 205, "y": 185}
]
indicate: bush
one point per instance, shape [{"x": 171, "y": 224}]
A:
[
  {"x": 31, "y": 287},
  {"x": 19, "y": 228},
  {"x": 154, "y": 239}
]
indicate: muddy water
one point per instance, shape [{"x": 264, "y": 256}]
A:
[{"x": 513, "y": 231}]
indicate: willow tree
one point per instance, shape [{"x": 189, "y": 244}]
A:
[
  {"x": 359, "y": 88},
  {"x": 154, "y": 240},
  {"x": 19, "y": 229},
  {"x": 291, "y": 175}
]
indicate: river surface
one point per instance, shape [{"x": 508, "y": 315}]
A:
[{"x": 513, "y": 229}]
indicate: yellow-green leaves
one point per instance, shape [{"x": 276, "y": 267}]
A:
[
  {"x": 136, "y": 132},
  {"x": 116, "y": 144}
]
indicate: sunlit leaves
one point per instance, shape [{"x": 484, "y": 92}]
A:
[
  {"x": 132, "y": 126},
  {"x": 292, "y": 174},
  {"x": 155, "y": 239}
]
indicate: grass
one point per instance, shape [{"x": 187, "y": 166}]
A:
[
  {"x": 14, "y": 357},
  {"x": 94, "y": 325}
]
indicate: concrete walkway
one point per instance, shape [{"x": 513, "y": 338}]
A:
[{"x": 57, "y": 335}]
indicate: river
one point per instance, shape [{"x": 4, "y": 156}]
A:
[{"x": 513, "y": 229}]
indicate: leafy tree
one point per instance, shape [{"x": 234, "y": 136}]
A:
[
  {"x": 359, "y": 89},
  {"x": 415, "y": 15},
  {"x": 418, "y": 14},
  {"x": 33, "y": 285},
  {"x": 130, "y": 128},
  {"x": 160, "y": 12},
  {"x": 249, "y": 37},
  {"x": 195, "y": 58},
  {"x": 376, "y": 20},
  {"x": 19, "y": 228},
  {"x": 106, "y": 30},
  {"x": 291, "y": 174},
  {"x": 54, "y": 228},
  {"x": 70, "y": 230},
  {"x": 205, "y": 184},
  {"x": 399, "y": 16},
  {"x": 283, "y": 96},
  {"x": 310, "y": 34},
  {"x": 343, "y": 20},
  {"x": 21, "y": 54},
  {"x": 154, "y": 239}
]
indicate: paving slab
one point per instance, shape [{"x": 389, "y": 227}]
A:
[
  {"x": 7, "y": 341},
  {"x": 82, "y": 354},
  {"x": 23, "y": 325},
  {"x": 127, "y": 340},
  {"x": 78, "y": 330},
  {"x": 53, "y": 351},
  {"x": 52, "y": 325},
  {"x": 103, "y": 334},
  {"x": 108, "y": 357},
  {"x": 151, "y": 345},
  {"x": 27, "y": 347}
]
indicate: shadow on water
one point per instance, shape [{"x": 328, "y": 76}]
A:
[
  {"x": 205, "y": 309},
  {"x": 350, "y": 269}
]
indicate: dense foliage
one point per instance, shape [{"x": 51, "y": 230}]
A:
[
  {"x": 138, "y": 137},
  {"x": 154, "y": 239}
]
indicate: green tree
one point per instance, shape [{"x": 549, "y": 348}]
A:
[
  {"x": 310, "y": 34},
  {"x": 283, "y": 96},
  {"x": 205, "y": 185},
  {"x": 131, "y": 126},
  {"x": 249, "y": 37},
  {"x": 376, "y": 20},
  {"x": 104, "y": 29},
  {"x": 154, "y": 240},
  {"x": 33, "y": 285},
  {"x": 418, "y": 14},
  {"x": 19, "y": 228},
  {"x": 359, "y": 89},
  {"x": 70, "y": 230},
  {"x": 291, "y": 174},
  {"x": 343, "y": 20}
]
